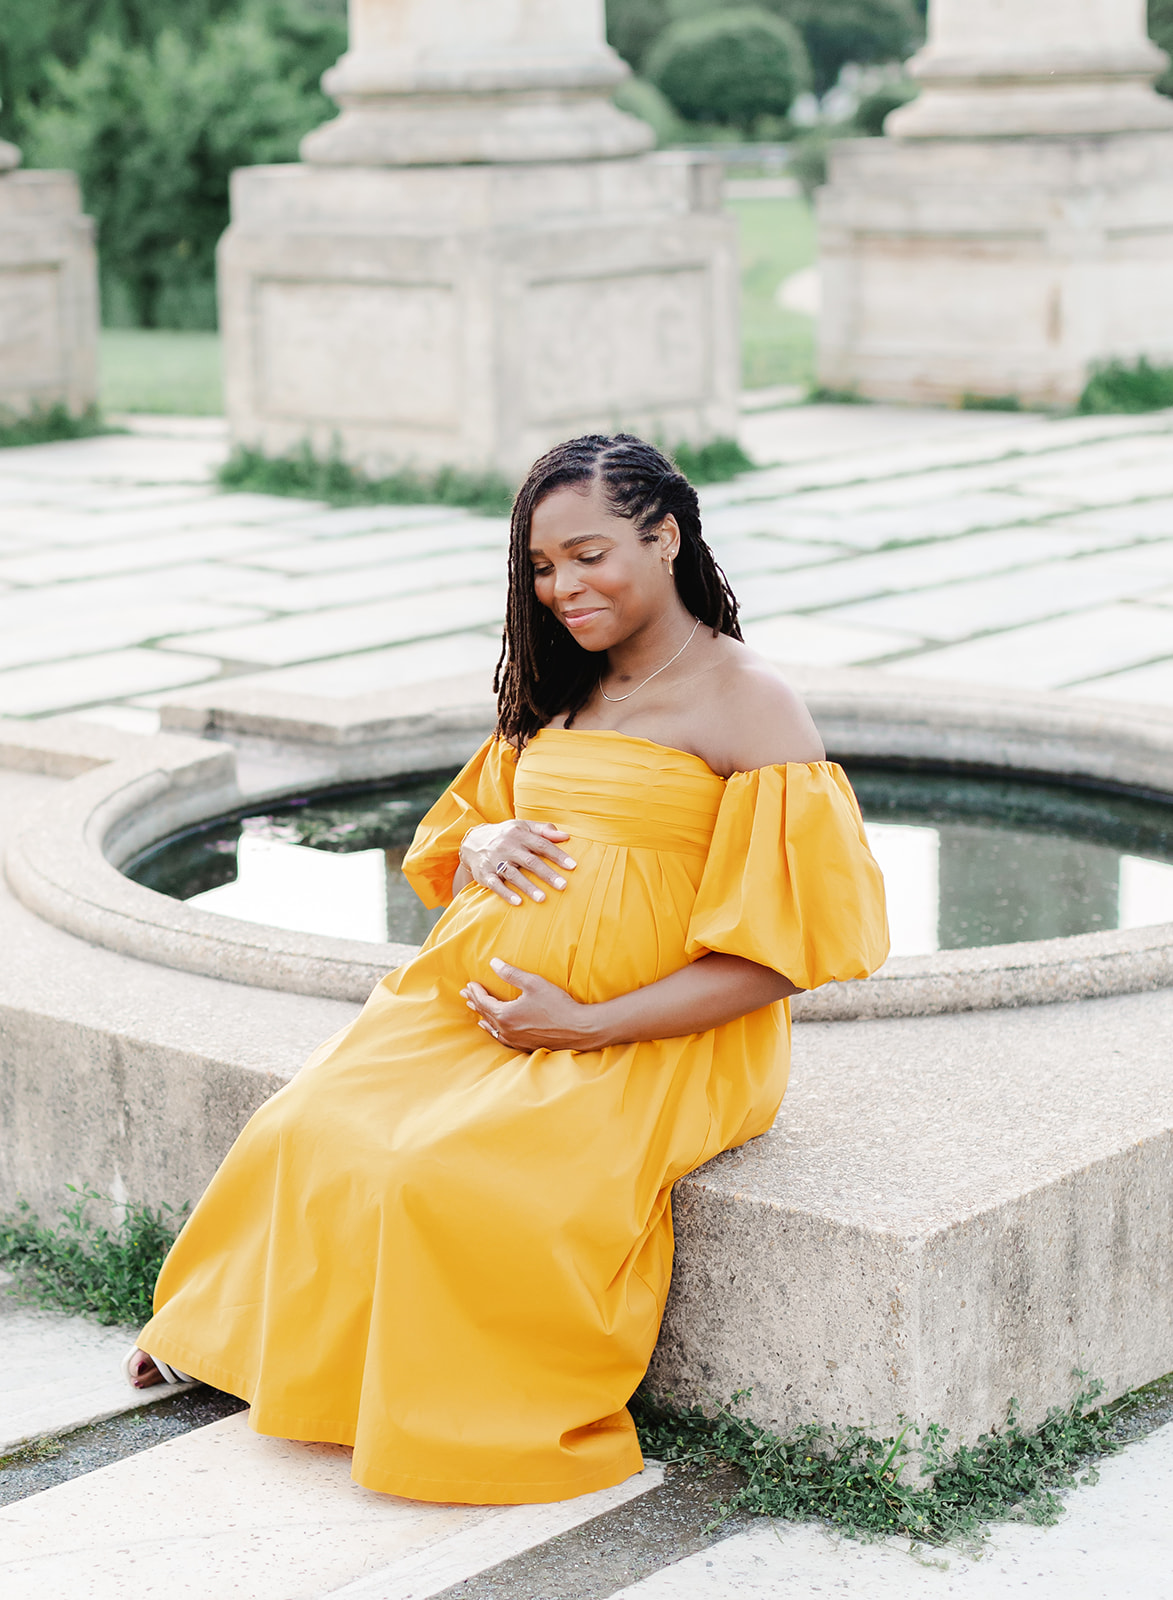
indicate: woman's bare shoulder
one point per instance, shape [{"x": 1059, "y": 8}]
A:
[{"x": 755, "y": 719}]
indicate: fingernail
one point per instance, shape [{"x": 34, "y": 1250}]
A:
[
  {"x": 538, "y": 895},
  {"x": 471, "y": 1007},
  {"x": 514, "y": 899},
  {"x": 496, "y": 963},
  {"x": 569, "y": 863}
]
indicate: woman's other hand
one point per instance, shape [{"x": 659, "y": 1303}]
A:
[
  {"x": 543, "y": 1017},
  {"x": 498, "y": 855}
]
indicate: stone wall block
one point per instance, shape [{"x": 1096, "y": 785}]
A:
[{"x": 48, "y": 294}]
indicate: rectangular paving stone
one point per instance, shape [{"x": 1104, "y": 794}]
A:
[
  {"x": 898, "y": 571},
  {"x": 960, "y": 610},
  {"x": 1151, "y": 685},
  {"x": 1119, "y": 486},
  {"x": 136, "y": 555},
  {"x": 809, "y": 641},
  {"x": 50, "y": 604},
  {"x": 223, "y": 1511},
  {"x": 1052, "y": 654},
  {"x": 343, "y": 521},
  {"x": 367, "y": 550},
  {"x": 740, "y": 557},
  {"x": 432, "y": 574},
  {"x": 89, "y": 680},
  {"x": 1147, "y": 519},
  {"x": 92, "y": 632},
  {"x": 341, "y": 631},
  {"x": 455, "y": 655}
]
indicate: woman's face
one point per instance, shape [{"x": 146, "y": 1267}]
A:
[{"x": 593, "y": 571}]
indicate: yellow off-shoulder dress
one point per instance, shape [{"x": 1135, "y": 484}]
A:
[{"x": 454, "y": 1256}]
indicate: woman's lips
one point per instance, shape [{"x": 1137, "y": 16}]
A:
[{"x": 578, "y": 619}]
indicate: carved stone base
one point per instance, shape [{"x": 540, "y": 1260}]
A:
[
  {"x": 475, "y": 315},
  {"x": 48, "y": 294},
  {"x": 994, "y": 267}
]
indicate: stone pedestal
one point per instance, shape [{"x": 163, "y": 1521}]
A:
[
  {"x": 476, "y": 258},
  {"x": 48, "y": 292},
  {"x": 1015, "y": 223}
]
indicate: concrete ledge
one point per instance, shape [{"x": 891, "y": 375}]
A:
[
  {"x": 950, "y": 1212},
  {"x": 65, "y": 866}
]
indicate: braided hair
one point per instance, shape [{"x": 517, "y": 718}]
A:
[{"x": 542, "y": 669}]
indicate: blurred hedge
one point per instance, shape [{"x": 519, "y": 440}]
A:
[
  {"x": 833, "y": 31},
  {"x": 154, "y": 120},
  {"x": 731, "y": 67}
]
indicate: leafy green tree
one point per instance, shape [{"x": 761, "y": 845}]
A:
[
  {"x": 633, "y": 26},
  {"x": 153, "y": 132},
  {"x": 1161, "y": 29},
  {"x": 836, "y": 31},
  {"x": 35, "y": 35},
  {"x": 730, "y": 67}
]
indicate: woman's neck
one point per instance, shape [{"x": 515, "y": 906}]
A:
[{"x": 648, "y": 649}]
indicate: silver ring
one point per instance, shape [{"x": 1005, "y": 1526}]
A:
[{"x": 501, "y": 868}]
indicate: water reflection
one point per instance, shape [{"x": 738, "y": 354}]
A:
[{"x": 967, "y": 860}]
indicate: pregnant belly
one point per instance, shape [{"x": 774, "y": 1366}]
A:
[{"x": 619, "y": 924}]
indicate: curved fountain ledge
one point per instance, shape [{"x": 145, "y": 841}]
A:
[{"x": 66, "y": 866}]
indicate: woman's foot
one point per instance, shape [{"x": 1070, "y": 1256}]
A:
[{"x": 141, "y": 1371}]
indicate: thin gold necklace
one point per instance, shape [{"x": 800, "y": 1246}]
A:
[{"x": 615, "y": 698}]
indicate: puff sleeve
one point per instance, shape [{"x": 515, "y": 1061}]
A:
[
  {"x": 482, "y": 792},
  {"x": 789, "y": 881}
]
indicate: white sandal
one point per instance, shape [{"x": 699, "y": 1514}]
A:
[{"x": 169, "y": 1375}]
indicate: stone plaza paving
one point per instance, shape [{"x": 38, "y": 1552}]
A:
[{"x": 1000, "y": 549}]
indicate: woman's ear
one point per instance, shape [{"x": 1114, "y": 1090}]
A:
[{"x": 669, "y": 537}]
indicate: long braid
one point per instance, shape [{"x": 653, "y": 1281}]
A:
[{"x": 542, "y": 669}]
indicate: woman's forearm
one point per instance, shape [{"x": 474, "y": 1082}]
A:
[{"x": 715, "y": 989}]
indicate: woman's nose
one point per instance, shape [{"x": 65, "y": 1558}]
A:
[{"x": 566, "y": 581}]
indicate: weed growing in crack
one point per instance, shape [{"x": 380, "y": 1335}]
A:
[
  {"x": 307, "y": 476},
  {"x": 1116, "y": 386},
  {"x": 105, "y": 1273},
  {"x": 857, "y": 1483},
  {"x": 47, "y": 425}
]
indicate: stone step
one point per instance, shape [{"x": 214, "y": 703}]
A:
[
  {"x": 60, "y": 1373},
  {"x": 224, "y": 1511}
]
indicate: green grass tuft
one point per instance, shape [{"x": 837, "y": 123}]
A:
[
  {"x": 856, "y": 1483},
  {"x": 715, "y": 462},
  {"x": 990, "y": 402},
  {"x": 105, "y": 1273},
  {"x": 47, "y": 425},
  {"x": 305, "y": 475},
  {"x": 820, "y": 396},
  {"x": 1115, "y": 386}
]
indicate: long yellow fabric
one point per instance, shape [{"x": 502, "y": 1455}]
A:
[{"x": 454, "y": 1256}]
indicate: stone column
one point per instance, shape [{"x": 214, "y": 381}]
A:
[
  {"x": 1015, "y": 223},
  {"x": 48, "y": 292},
  {"x": 477, "y": 258},
  {"x": 429, "y": 81}
]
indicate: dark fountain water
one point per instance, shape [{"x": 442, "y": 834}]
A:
[{"x": 969, "y": 858}]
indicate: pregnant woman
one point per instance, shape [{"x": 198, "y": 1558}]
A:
[{"x": 448, "y": 1241}]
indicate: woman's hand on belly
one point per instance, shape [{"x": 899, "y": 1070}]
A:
[
  {"x": 709, "y": 992},
  {"x": 543, "y": 1017},
  {"x": 498, "y": 855}
]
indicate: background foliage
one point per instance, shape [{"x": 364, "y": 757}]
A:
[
  {"x": 731, "y": 67},
  {"x": 153, "y": 105}
]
